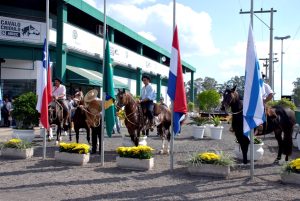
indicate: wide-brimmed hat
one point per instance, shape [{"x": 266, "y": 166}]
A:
[
  {"x": 58, "y": 79},
  {"x": 91, "y": 95}
]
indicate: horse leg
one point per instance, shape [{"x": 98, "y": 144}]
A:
[
  {"x": 99, "y": 137},
  {"x": 280, "y": 145},
  {"x": 58, "y": 134},
  {"x": 94, "y": 141},
  {"x": 76, "y": 129},
  {"x": 244, "y": 143},
  {"x": 134, "y": 138},
  {"x": 88, "y": 135}
]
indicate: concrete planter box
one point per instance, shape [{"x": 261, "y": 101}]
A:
[
  {"x": 128, "y": 143},
  {"x": 209, "y": 170},
  {"x": 135, "y": 163},
  {"x": 216, "y": 132},
  {"x": 27, "y": 135},
  {"x": 198, "y": 132},
  {"x": 290, "y": 178},
  {"x": 17, "y": 153},
  {"x": 258, "y": 152},
  {"x": 72, "y": 158}
]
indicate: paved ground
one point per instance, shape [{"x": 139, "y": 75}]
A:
[{"x": 38, "y": 179}]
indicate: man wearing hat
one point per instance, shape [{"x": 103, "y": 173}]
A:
[
  {"x": 147, "y": 98},
  {"x": 59, "y": 94}
]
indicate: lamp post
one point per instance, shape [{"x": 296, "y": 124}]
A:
[{"x": 282, "y": 38}]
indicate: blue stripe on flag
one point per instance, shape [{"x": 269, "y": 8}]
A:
[
  {"x": 176, "y": 121},
  {"x": 172, "y": 85}
]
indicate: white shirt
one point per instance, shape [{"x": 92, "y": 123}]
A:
[
  {"x": 267, "y": 90},
  {"x": 148, "y": 92},
  {"x": 58, "y": 91}
]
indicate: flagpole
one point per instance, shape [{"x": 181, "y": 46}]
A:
[
  {"x": 47, "y": 61},
  {"x": 103, "y": 93},
  {"x": 172, "y": 103},
  {"x": 251, "y": 131}
]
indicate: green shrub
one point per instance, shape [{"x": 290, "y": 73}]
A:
[
  {"x": 283, "y": 102},
  {"x": 24, "y": 111},
  {"x": 208, "y": 100},
  {"x": 191, "y": 106}
]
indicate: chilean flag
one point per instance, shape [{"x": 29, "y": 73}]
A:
[
  {"x": 44, "y": 90},
  {"x": 176, "y": 89}
]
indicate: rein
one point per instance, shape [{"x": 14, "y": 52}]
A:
[{"x": 94, "y": 116}]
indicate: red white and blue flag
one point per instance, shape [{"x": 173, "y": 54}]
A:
[
  {"x": 44, "y": 90},
  {"x": 176, "y": 89}
]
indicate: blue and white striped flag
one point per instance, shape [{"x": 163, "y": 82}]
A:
[{"x": 253, "y": 107}]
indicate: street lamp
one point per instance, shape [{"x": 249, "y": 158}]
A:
[{"x": 282, "y": 38}]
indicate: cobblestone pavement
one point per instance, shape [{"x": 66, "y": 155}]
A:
[{"x": 38, "y": 179}]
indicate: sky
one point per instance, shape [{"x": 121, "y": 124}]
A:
[{"x": 213, "y": 35}]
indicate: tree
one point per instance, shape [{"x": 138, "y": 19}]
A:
[
  {"x": 208, "y": 100},
  {"x": 209, "y": 83},
  {"x": 296, "y": 92},
  {"x": 237, "y": 81},
  {"x": 197, "y": 86}
]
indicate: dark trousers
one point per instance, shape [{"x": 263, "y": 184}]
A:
[{"x": 148, "y": 106}]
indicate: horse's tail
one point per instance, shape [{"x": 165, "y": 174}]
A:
[{"x": 287, "y": 123}]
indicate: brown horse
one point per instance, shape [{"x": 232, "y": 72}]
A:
[
  {"x": 136, "y": 122},
  {"x": 280, "y": 120},
  {"x": 60, "y": 118}
]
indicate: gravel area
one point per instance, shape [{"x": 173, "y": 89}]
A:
[{"x": 38, "y": 179}]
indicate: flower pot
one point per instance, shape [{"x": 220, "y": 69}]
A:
[
  {"x": 290, "y": 178},
  {"x": 207, "y": 131},
  {"x": 216, "y": 132},
  {"x": 128, "y": 143},
  {"x": 72, "y": 158},
  {"x": 27, "y": 135},
  {"x": 135, "y": 163},
  {"x": 17, "y": 153},
  {"x": 198, "y": 132},
  {"x": 209, "y": 170},
  {"x": 258, "y": 152}
]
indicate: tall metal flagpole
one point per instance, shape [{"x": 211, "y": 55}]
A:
[
  {"x": 47, "y": 61},
  {"x": 172, "y": 102},
  {"x": 103, "y": 93},
  {"x": 251, "y": 131}
]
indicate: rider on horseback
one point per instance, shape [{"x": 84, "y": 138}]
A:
[
  {"x": 59, "y": 94},
  {"x": 147, "y": 98}
]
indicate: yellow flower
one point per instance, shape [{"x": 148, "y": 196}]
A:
[{"x": 209, "y": 156}]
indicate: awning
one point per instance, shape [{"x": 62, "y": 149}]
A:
[{"x": 90, "y": 77}]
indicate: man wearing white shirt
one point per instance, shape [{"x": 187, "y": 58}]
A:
[
  {"x": 147, "y": 98},
  {"x": 59, "y": 94}
]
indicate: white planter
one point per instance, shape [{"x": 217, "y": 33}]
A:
[
  {"x": 27, "y": 135},
  {"x": 135, "y": 163},
  {"x": 258, "y": 152},
  {"x": 209, "y": 170},
  {"x": 290, "y": 178},
  {"x": 216, "y": 132},
  {"x": 72, "y": 158},
  {"x": 207, "y": 131},
  {"x": 17, "y": 153},
  {"x": 128, "y": 143},
  {"x": 198, "y": 132}
]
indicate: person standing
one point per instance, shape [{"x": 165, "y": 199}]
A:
[{"x": 147, "y": 98}]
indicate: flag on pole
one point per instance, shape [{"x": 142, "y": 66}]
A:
[
  {"x": 43, "y": 95},
  {"x": 176, "y": 89},
  {"x": 108, "y": 88},
  {"x": 253, "y": 107}
]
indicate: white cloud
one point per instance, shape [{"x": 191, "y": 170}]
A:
[
  {"x": 91, "y": 2},
  {"x": 148, "y": 35},
  {"x": 158, "y": 19}
]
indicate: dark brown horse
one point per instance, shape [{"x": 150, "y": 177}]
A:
[
  {"x": 60, "y": 118},
  {"x": 279, "y": 119},
  {"x": 136, "y": 122}
]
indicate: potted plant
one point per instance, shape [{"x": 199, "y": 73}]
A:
[
  {"x": 17, "y": 148},
  {"x": 291, "y": 172},
  {"x": 210, "y": 164},
  {"x": 208, "y": 101},
  {"x": 216, "y": 129},
  {"x": 258, "y": 150},
  {"x": 137, "y": 158},
  {"x": 26, "y": 116},
  {"x": 191, "y": 106},
  {"x": 74, "y": 153},
  {"x": 199, "y": 126}
]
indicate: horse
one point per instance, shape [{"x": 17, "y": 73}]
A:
[
  {"x": 279, "y": 119},
  {"x": 136, "y": 122},
  {"x": 87, "y": 115},
  {"x": 60, "y": 118}
]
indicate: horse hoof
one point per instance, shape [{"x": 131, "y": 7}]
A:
[
  {"x": 56, "y": 142},
  {"x": 66, "y": 133},
  {"x": 60, "y": 138},
  {"x": 161, "y": 152},
  {"x": 276, "y": 162}
]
